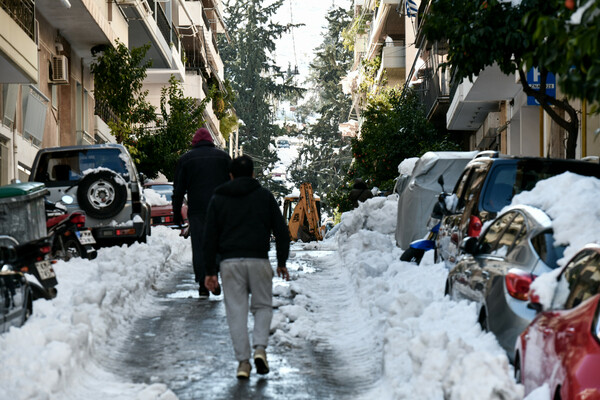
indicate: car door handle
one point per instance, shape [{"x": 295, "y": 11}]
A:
[{"x": 570, "y": 331}]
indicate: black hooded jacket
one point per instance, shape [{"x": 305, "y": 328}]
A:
[
  {"x": 199, "y": 172},
  {"x": 241, "y": 216}
]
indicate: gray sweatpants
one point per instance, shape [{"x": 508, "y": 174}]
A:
[{"x": 241, "y": 277}]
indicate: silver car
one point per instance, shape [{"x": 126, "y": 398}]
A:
[{"x": 499, "y": 266}]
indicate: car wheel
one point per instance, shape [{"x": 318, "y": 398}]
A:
[
  {"x": 101, "y": 195},
  {"x": 412, "y": 255}
]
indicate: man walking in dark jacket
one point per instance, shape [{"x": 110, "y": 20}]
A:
[
  {"x": 198, "y": 173},
  {"x": 241, "y": 216}
]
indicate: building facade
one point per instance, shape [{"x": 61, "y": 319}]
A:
[
  {"x": 47, "y": 88},
  {"x": 490, "y": 113}
]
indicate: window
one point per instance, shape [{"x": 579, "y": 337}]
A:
[
  {"x": 489, "y": 241},
  {"x": 583, "y": 278},
  {"x": 499, "y": 188},
  {"x": 513, "y": 234},
  {"x": 544, "y": 245}
]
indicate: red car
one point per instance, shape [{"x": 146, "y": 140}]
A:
[
  {"x": 158, "y": 194},
  {"x": 561, "y": 346}
]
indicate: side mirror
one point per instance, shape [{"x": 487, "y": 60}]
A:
[
  {"x": 469, "y": 245},
  {"x": 142, "y": 177}
]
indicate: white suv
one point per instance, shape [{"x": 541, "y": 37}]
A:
[{"x": 104, "y": 183}]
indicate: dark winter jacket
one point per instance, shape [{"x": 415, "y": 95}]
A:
[
  {"x": 241, "y": 216},
  {"x": 198, "y": 173},
  {"x": 361, "y": 195}
]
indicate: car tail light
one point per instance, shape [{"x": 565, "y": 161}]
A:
[
  {"x": 518, "y": 282},
  {"x": 45, "y": 249},
  {"x": 122, "y": 232},
  {"x": 474, "y": 226},
  {"x": 78, "y": 219}
]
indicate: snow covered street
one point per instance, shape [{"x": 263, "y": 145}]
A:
[{"x": 377, "y": 326}]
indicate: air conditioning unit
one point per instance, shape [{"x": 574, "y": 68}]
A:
[{"x": 60, "y": 69}]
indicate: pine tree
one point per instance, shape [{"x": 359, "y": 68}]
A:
[
  {"x": 325, "y": 158},
  {"x": 254, "y": 76}
]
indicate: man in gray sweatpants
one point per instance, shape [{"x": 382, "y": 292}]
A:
[{"x": 240, "y": 219}]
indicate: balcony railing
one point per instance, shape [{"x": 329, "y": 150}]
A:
[
  {"x": 104, "y": 111},
  {"x": 23, "y": 13},
  {"x": 166, "y": 28}
]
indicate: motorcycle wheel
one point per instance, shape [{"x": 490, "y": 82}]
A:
[
  {"x": 412, "y": 255},
  {"x": 71, "y": 248}
]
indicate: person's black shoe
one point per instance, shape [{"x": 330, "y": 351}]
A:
[
  {"x": 203, "y": 292},
  {"x": 217, "y": 290}
]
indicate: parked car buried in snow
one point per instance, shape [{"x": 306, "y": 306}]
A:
[
  {"x": 105, "y": 184},
  {"x": 159, "y": 195},
  {"x": 561, "y": 346},
  {"x": 488, "y": 184},
  {"x": 499, "y": 266}
]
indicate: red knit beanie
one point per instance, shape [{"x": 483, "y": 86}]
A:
[{"x": 202, "y": 134}]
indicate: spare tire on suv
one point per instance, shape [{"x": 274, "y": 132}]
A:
[
  {"x": 105, "y": 183},
  {"x": 102, "y": 194}
]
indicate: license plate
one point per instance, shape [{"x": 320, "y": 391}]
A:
[
  {"x": 85, "y": 237},
  {"x": 44, "y": 269}
]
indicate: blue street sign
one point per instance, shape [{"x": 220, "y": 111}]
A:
[{"x": 534, "y": 77}]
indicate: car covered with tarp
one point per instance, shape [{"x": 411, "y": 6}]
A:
[{"x": 420, "y": 193}]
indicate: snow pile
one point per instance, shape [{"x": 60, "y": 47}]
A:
[
  {"x": 571, "y": 201},
  {"x": 155, "y": 198},
  {"x": 407, "y": 166},
  {"x": 57, "y": 353},
  {"x": 387, "y": 322}
]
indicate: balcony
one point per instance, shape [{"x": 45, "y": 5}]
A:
[
  {"x": 18, "y": 49},
  {"x": 150, "y": 23},
  {"x": 387, "y": 21},
  {"x": 85, "y": 24},
  {"x": 472, "y": 101},
  {"x": 393, "y": 62}
]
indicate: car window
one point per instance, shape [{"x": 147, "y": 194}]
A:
[
  {"x": 499, "y": 188},
  {"x": 462, "y": 182},
  {"x": 489, "y": 241},
  {"x": 513, "y": 235},
  {"x": 469, "y": 184},
  {"x": 544, "y": 245},
  {"x": 583, "y": 278},
  {"x": 61, "y": 166},
  {"x": 164, "y": 190}
]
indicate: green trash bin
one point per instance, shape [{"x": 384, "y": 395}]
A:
[{"x": 22, "y": 212}]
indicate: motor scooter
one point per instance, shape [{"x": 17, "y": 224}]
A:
[
  {"x": 33, "y": 260},
  {"x": 70, "y": 238},
  {"x": 417, "y": 248}
]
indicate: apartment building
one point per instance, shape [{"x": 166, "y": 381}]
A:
[
  {"x": 182, "y": 36},
  {"x": 46, "y": 86},
  {"x": 383, "y": 32},
  {"x": 492, "y": 111}
]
